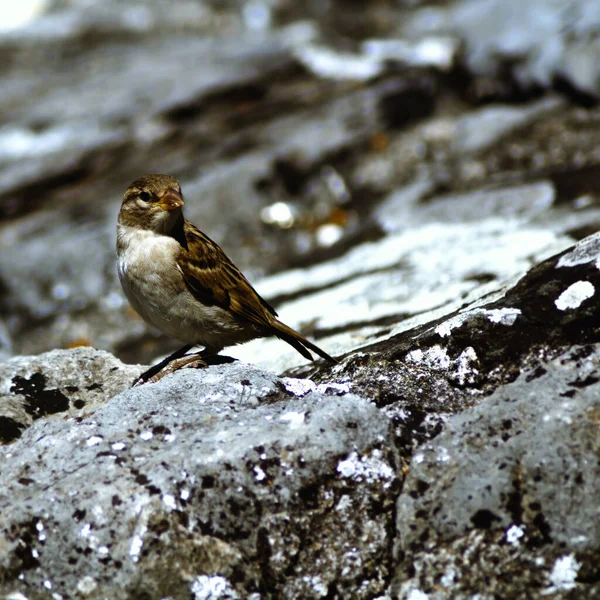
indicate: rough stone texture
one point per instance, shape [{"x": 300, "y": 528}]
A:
[
  {"x": 511, "y": 486},
  {"x": 212, "y": 472},
  {"x": 497, "y": 564},
  {"x": 64, "y": 383},
  {"x": 528, "y": 454}
]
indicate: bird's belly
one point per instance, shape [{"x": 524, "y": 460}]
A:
[{"x": 162, "y": 299}]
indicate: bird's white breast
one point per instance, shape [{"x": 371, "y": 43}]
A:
[
  {"x": 142, "y": 249},
  {"x": 151, "y": 280}
]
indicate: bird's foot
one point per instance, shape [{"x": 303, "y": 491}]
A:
[
  {"x": 191, "y": 361},
  {"x": 187, "y": 362},
  {"x": 174, "y": 363}
]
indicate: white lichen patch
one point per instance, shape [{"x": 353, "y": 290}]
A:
[
  {"x": 295, "y": 419},
  {"x": 503, "y": 316},
  {"x": 513, "y": 534},
  {"x": 435, "y": 357},
  {"x": 461, "y": 369},
  {"x": 369, "y": 469},
  {"x": 298, "y": 387},
  {"x": 353, "y": 562},
  {"x": 331, "y": 64},
  {"x": 449, "y": 577},
  {"x": 579, "y": 540},
  {"x": 41, "y": 533},
  {"x": 259, "y": 474},
  {"x": 563, "y": 575},
  {"x": 445, "y": 329},
  {"x": 135, "y": 547},
  {"x": 16, "y": 596},
  {"x": 118, "y": 446},
  {"x": 417, "y": 594},
  {"x": 464, "y": 371},
  {"x": 345, "y": 502},
  {"x": 575, "y": 295},
  {"x": 432, "y": 51},
  {"x": 317, "y": 584},
  {"x": 443, "y": 455},
  {"x": 94, "y": 440},
  {"x": 169, "y": 501},
  {"x": 205, "y": 587},
  {"x": 347, "y": 468},
  {"x": 98, "y": 512},
  {"x": 86, "y": 585},
  {"x": 146, "y": 435},
  {"x": 338, "y": 388}
]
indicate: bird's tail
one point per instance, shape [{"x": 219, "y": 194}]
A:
[{"x": 302, "y": 345}]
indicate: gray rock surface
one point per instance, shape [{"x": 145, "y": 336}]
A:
[
  {"x": 527, "y": 455},
  {"x": 212, "y": 473},
  {"x": 513, "y": 481},
  {"x": 65, "y": 383},
  {"x": 542, "y": 39}
]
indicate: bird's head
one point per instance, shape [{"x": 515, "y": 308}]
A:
[{"x": 152, "y": 202}]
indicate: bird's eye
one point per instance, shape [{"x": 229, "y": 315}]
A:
[{"x": 145, "y": 196}]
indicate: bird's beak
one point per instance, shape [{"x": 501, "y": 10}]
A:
[{"x": 170, "y": 200}]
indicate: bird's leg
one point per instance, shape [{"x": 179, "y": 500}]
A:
[
  {"x": 192, "y": 361},
  {"x": 208, "y": 351},
  {"x": 152, "y": 371},
  {"x": 179, "y": 360}
]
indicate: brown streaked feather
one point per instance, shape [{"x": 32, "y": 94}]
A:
[{"x": 215, "y": 281}]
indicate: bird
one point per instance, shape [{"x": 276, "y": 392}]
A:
[{"x": 182, "y": 283}]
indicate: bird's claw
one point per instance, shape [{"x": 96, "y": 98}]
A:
[{"x": 192, "y": 361}]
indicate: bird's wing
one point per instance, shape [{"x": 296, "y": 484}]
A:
[{"x": 215, "y": 281}]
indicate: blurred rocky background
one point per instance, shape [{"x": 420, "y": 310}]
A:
[{"x": 405, "y": 180}]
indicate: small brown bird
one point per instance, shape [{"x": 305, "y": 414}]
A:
[{"x": 182, "y": 283}]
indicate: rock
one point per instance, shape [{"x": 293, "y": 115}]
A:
[
  {"x": 505, "y": 566},
  {"x": 65, "y": 383},
  {"x": 541, "y": 41},
  {"x": 425, "y": 270},
  {"x": 523, "y": 457},
  {"x": 210, "y": 473},
  {"x": 513, "y": 480},
  {"x": 193, "y": 478}
]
